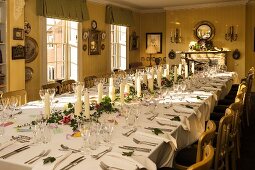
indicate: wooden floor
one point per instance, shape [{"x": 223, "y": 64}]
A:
[{"x": 247, "y": 161}]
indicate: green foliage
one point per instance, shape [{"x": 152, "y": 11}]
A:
[
  {"x": 127, "y": 153},
  {"x": 176, "y": 118},
  {"x": 48, "y": 159}
]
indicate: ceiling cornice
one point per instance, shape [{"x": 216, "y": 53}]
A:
[{"x": 219, "y": 4}]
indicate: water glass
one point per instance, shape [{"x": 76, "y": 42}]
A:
[
  {"x": 107, "y": 132},
  {"x": 94, "y": 136},
  {"x": 131, "y": 118},
  {"x": 46, "y": 133},
  {"x": 84, "y": 128}
]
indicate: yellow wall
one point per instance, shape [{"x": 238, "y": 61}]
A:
[
  {"x": 91, "y": 64},
  {"x": 150, "y": 23},
  {"x": 220, "y": 17},
  {"x": 16, "y": 68},
  {"x": 33, "y": 85}
]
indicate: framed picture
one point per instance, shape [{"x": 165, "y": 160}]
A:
[
  {"x": 133, "y": 41},
  {"x": 154, "y": 39},
  {"x": 94, "y": 43},
  {"x": 18, "y": 34},
  {"x": 18, "y": 52}
]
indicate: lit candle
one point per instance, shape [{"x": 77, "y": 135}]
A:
[
  {"x": 111, "y": 81},
  {"x": 175, "y": 74},
  {"x": 122, "y": 88},
  {"x": 150, "y": 84},
  {"x": 138, "y": 87},
  {"x": 127, "y": 88},
  {"x": 46, "y": 105},
  {"x": 112, "y": 93},
  {"x": 186, "y": 71},
  {"x": 193, "y": 67},
  {"x": 159, "y": 75},
  {"x": 100, "y": 92},
  {"x": 180, "y": 69},
  {"x": 86, "y": 102},
  {"x": 145, "y": 79}
]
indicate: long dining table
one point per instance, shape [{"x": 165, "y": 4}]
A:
[{"x": 191, "y": 109}]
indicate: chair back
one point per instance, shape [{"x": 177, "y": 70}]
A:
[
  {"x": 206, "y": 162},
  {"x": 67, "y": 86},
  {"x": 55, "y": 85},
  {"x": 222, "y": 143},
  {"x": 21, "y": 95},
  {"x": 89, "y": 81},
  {"x": 205, "y": 139}
]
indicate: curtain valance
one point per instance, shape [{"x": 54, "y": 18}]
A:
[
  {"x": 63, "y": 9},
  {"x": 119, "y": 16}
]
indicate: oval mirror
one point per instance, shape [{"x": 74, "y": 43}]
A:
[{"x": 204, "y": 30}]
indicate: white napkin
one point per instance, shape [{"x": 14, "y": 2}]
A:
[
  {"x": 185, "y": 123},
  {"x": 166, "y": 137},
  {"x": 116, "y": 160}
]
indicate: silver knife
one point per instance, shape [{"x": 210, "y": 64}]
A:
[
  {"x": 162, "y": 129},
  {"x": 73, "y": 163},
  {"x": 135, "y": 148},
  {"x": 15, "y": 151}
]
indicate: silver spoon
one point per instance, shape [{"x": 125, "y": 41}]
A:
[{"x": 67, "y": 148}]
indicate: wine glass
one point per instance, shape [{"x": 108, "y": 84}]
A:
[
  {"x": 84, "y": 128},
  {"x": 52, "y": 93},
  {"x": 107, "y": 130},
  {"x": 42, "y": 94},
  {"x": 13, "y": 104}
]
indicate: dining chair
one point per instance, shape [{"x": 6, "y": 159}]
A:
[
  {"x": 206, "y": 162},
  {"x": 89, "y": 81},
  {"x": 67, "y": 86},
  {"x": 54, "y": 85},
  {"x": 221, "y": 159},
  {"x": 193, "y": 154},
  {"x": 21, "y": 95}
]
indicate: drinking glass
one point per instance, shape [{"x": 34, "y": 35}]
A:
[
  {"x": 175, "y": 87},
  {"x": 46, "y": 133},
  {"x": 84, "y": 128},
  {"x": 13, "y": 104},
  {"x": 107, "y": 130},
  {"x": 131, "y": 118},
  {"x": 42, "y": 94},
  {"x": 94, "y": 136}
]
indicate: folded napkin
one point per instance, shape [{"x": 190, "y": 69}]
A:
[
  {"x": 183, "y": 109},
  {"x": 166, "y": 137},
  {"x": 116, "y": 160},
  {"x": 185, "y": 123}
]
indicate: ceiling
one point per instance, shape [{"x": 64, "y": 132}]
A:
[{"x": 164, "y": 4}]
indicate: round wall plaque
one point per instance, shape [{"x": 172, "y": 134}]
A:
[
  {"x": 31, "y": 49},
  {"x": 28, "y": 73},
  {"x": 236, "y": 54},
  {"x": 172, "y": 54}
]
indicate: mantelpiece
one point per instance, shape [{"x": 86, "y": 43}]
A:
[{"x": 202, "y": 57}]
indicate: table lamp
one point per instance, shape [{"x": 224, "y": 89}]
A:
[{"x": 151, "y": 50}]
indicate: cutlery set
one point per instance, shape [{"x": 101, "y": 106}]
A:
[
  {"x": 127, "y": 134},
  {"x": 144, "y": 142},
  {"x": 162, "y": 129},
  {"x": 73, "y": 163},
  {"x": 135, "y": 148},
  {"x": 176, "y": 111},
  {"x": 165, "y": 124},
  {"x": 107, "y": 167},
  {"x": 15, "y": 152},
  {"x": 41, "y": 155},
  {"x": 152, "y": 117},
  {"x": 99, "y": 155},
  {"x": 21, "y": 138}
]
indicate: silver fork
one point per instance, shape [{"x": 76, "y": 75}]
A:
[
  {"x": 144, "y": 142},
  {"x": 107, "y": 167},
  {"x": 40, "y": 154},
  {"x": 45, "y": 154},
  {"x": 152, "y": 117},
  {"x": 99, "y": 155},
  {"x": 165, "y": 124}
]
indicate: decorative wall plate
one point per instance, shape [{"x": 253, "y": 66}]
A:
[
  {"x": 93, "y": 24},
  {"x": 27, "y": 27},
  {"x": 103, "y": 35},
  {"x": 172, "y": 54},
  {"x": 85, "y": 35},
  {"x": 31, "y": 49},
  {"x": 28, "y": 73},
  {"x": 236, "y": 54}
]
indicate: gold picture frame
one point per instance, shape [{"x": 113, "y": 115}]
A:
[{"x": 154, "y": 39}]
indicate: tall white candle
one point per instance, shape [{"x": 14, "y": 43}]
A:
[
  {"x": 166, "y": 74},
  {"x": 127, "y": 89},
  {"x": 78, "y": 89},
  {"x": 138, "y": 87},
  {"x": 100, "y": 92},
  {"x": 175, "y": 74},
  {"x": 186, "y": 71},
  {"x": 145, "y": 79},
  {"x": 112, "y": 93},
  {"x": 160, "y": 69},
  {"x": 46, "y": 105},
  {"x": 136, "y": 75},
  {"x": 180, "y": 69},
  {"x": 111, "y": 81},
  {"x": 150, "y": 84},
  {"x": 122, "y": 88},
  {"x": 193, "y": 67},
  {"x": 167, "y": 66},
  {"x": 87, "y": 107},
  {"x": 152, "y": 72},
  {"x": 78, "y": 107},
  {"x": 159, "y": 74}
]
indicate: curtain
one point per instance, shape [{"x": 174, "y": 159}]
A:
[
  {"x": 119, "y": 16},
  {"x": 63, "y": 9}
]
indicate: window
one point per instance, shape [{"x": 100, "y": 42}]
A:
[
  {"x": 62, "y": 51},
  {"x": 118, "y": 47}
]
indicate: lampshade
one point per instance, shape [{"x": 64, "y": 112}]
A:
[{"x": 151, "y": 50}]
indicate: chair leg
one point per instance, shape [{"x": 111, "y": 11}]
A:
[
  {"x": 238, "y": 145},
  {"x": 233, "y": 160},
  {"x": 227, "y": 162}
]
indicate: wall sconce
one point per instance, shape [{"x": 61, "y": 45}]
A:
[
  {"x": 231, "y": 33},
  {"x": 176, "y": 36}
]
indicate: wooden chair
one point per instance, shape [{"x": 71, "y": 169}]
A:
[
  {"x": 222, "y": 145},
  {"x": 206, "y": 162},
  {"x": 55, "y": 85},
  {"x": 67, "y": 86},
  {"x": 89, "y": 81},
  {"x": 191, "y": 155},
  {"x": 21, "y": 95}
]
